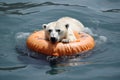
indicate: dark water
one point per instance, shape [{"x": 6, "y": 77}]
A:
[{"x": 18, "y": 18}]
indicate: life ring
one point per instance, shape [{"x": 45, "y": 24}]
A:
[{"x": 36, "y": 42}]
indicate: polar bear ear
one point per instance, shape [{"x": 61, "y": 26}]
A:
[
  {"x": 44, "y": 26},
  {"x": 67, "y": 26}
]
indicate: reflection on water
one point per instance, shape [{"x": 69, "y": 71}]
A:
[
  {"x": 63, "y": 66},
  {"x": 54, "y": 71}
]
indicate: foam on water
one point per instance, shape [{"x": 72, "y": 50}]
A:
[
  {"x": 21, "y": 42},
  {"x": 21, "y": 46},
  {"x": 99, "y": 39},
  {"x": 22, "y": 35}
]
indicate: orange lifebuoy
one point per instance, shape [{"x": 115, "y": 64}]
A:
[{"x": 36, "y": 42}]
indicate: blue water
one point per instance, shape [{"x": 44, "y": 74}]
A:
[{"x": 19, "y": 18}]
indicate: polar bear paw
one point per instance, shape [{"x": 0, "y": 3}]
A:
[{"x": 65, "y": 40}]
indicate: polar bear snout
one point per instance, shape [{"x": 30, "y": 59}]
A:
[
  {"x": 53, "y": 39},
  {"x": 54, "y": 36}
]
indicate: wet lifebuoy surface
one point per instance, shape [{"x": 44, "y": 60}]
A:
[{"x": 36, "y": 42}]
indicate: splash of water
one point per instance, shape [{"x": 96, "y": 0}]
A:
[
  {"x": 21, "y": 46},
  {"x": 99, "y": 39}
]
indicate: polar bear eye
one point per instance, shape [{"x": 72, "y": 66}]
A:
[
  {"x": 58, "y": 30},
  {"x": 50, "y": 30},
  {"x": 67, "y": 25}
]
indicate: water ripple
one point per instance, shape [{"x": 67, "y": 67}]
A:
[
  {"x": 112, "y": 10},
  {"x": 16, "y": 7},
  {"x": 13, "y": 67}
]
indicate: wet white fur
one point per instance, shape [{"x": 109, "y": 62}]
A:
[{"x": 67, "y": 33}]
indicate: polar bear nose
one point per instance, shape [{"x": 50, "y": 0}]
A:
[{"x": 53, "y": 39}]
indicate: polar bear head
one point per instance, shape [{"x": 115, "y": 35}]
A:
[{"x": 55, "y": 32}]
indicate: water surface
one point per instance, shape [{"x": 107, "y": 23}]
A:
[{"x": 20, "y": 18}]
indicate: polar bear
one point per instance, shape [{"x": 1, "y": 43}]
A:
[{"x": 62, "y": 29}]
